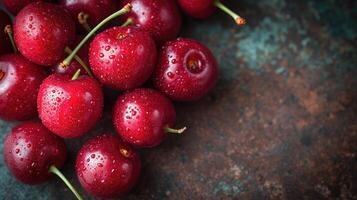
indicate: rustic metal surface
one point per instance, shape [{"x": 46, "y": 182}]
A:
[{"x": 281, "y": 123}]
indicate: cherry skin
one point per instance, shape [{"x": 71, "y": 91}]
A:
[
  {"x": 187, "y": 70},
  {"x": 42, "y": 31},
  {"x": 161, "y": 18},
  {"x": 143, "y": 117},
  {"x": 14, "y": 6},
  {"x": 75, "y": 65},
  {"x": 69, "y": 108},
  {"x": 95, "y": 10},
  {"x": 107, "y": 167},
  {"x": 29, "y": 151},
  {"x": 123, "y": 58},
  {"x": 202, "y": 9},
  {"x": 19, "y": 84},
  {"x": 5, "y": 46}
]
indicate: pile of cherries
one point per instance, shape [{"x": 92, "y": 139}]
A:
[{"x": 57, "y": 58}]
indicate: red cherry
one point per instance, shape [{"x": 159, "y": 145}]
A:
[
  {"x": 187, "y": 70},
  {"x": 75, "y": 65},
  {"x": 107, "y": 167},
  {"x": 92, "y": 11},
  {"x": 143, "y": 117},
  {"x": 19, "y": 84},
  {"x": 204, "y": 8},
  {"x": 32, "y": 153},
  {"x": 5, "y": 46},
  {"x": 29, "y": 151},
  {"x": 67, "y": 61},
  {"x": 42, "y": 31},
  {"x": 123, "y": 57},
  {"x": 14, "y": 6},
  {"x": 69, "y": 107},
  {"x": 161, "y": 18}
]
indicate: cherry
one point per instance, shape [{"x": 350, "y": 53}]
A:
[
  {"x": 70, "y": 107},
  {"x": 143, "y": 117},
  {"x": 88, "y": 13},
  {"x": 14, "y": 6},
  {"x": 123, "y": 57},
  {"x": 5, "y": 46},
  {"x": 19, "y": 84},
  {"x": 107, "y": 167},
  {"x": 81, "y": 60},
  {"x": 67, "y": 61},
  {"x": 187, "y": 70},
  {"x": 161, "y": 18},
  {"x": 42, "y": 31},
  {"x": 204, "y": 8},
  {"x": 32, "y": 154}
]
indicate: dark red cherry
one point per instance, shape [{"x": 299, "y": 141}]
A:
[
  {"x": 204, "y": 8},
  {"x": 123, "y": 57},
  {"x": 29, "y": 151},
  {"x": 75, "y": 65},
  {"x": 69, "y": 107},
  {"x": 14, "y": 6},
  {"x": 107, "y": 167},
  {"x": 32, "y": 154},
  {"x": 92, "y": 11},
  {"x": 42, "y": 31},
  {"x": 143, "y": 117},
  {"x": 5, "y": 46},
  {"x": 161, "y": 18},
  {"x": 186, "y": 70},
  {"x": 19, "y": 84}
]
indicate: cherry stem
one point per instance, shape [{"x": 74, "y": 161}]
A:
[
  {"x": 68, "y": 60},
  {"x": 8, "y": 31},
  {"x": 53, "y": 169},
  {"x": 80, "y": 61},
  {"x": 239, "y": 20},
  {"x": 176, "y": 131},
  {"x": 128, "y": 22},
  {"x": 83, "y": 20},
  {"x": 76, "y": 75}
]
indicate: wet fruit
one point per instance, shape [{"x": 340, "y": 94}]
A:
[
  {"x": 186, "y": 71},
  {"x": 143, "y": 117},
  {"x": 107, "y": 167}
]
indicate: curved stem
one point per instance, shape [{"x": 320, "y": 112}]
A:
[
  {"x": 83, "y": 20},
  {"x": 239, "y": 20},
  {"x": 128, "y": 22},
  {"x": 68, "y": 60},
  {"x": 80, "y": 61},
  {"x": 53, "y": 169},
  {"x": 76, "y": 75},
  {"x": 176, "y": 131},
  {"x": 8, "y": 31}
]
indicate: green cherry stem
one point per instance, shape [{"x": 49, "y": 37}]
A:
[
  {"x": 128, "y": 22},
  {"x": 53, "y": 169},
  {"x": 68, "y": 60},
  {"x": 175, "y": 131},
  {"x": 76, "y": 75},
  {"x": 83, "y": 20},
  {"x": 80, "y": 61},
  {"x": 239, "y": 20},
  {"x": 8, "y": 31}
]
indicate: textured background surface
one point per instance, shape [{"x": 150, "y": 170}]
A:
[{"x": 281, "y": 123}]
